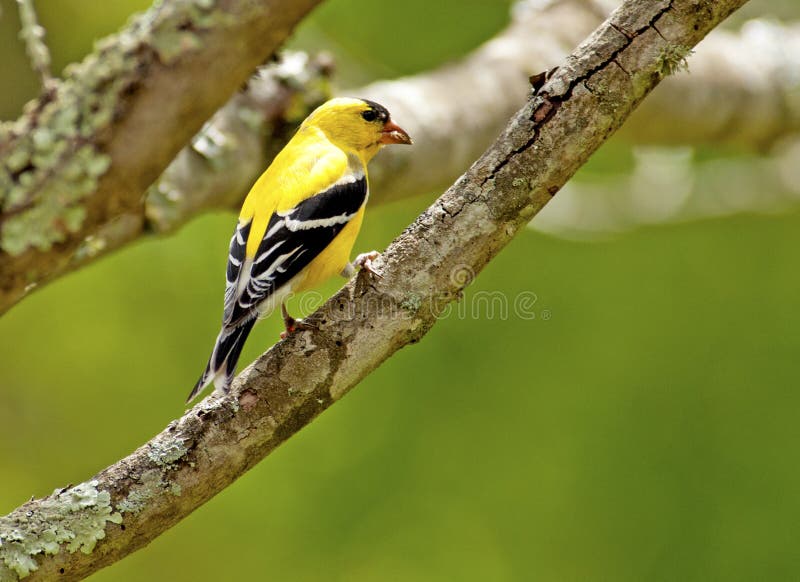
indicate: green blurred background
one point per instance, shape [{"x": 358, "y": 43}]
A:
[{"x": 644, "y": 426}]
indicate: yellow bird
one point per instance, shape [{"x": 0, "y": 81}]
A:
[{"x": 299, "y": 222}]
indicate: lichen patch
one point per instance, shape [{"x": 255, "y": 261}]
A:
[{"x": 75, "y": 518}]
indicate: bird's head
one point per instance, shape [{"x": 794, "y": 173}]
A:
[{"x": 356, "y": 125}]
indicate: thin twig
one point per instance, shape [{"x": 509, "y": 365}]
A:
[{"x": 32, "y": 33}]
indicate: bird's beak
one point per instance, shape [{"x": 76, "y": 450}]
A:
[{"x": 393, "y": 133}]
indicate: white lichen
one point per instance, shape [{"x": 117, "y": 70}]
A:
[
  {"x": 150, "y": 485},
  {"x": 73, "y": 519},
  {"x": 166, "y": 452}
]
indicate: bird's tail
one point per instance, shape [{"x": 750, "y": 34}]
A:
[{"x": 222, "y": 364}]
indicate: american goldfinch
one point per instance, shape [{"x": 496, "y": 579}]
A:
[{"x": 299, "y": 222}]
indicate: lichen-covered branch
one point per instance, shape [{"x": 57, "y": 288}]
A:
[
  {"x": 128, "y": 504},
  {"x": 85, "y": 151}
]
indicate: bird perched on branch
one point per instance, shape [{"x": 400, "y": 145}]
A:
[{"x": 299, "y": 222}]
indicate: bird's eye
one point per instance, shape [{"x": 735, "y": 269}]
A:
[{"x": 369, "y": 115}]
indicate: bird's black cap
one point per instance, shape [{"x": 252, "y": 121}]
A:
[{"x": 380, "y": 110}]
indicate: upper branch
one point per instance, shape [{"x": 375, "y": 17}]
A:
[
  {"x": 85, "y": 151},
  {"x": 131, "y": 502}
]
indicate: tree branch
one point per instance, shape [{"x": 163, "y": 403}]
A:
[
  {"x": 85, "y": 151},
  {"x": 131, "y": 502}
]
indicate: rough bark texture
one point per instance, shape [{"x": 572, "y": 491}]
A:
[
  {"x": 85, "y": 151},
  {"x": 427, "y": 267}
]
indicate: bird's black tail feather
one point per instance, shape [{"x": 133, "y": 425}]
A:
[{"x": 222, "y": 364}]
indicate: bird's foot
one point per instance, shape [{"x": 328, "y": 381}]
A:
[
  {"x": 364, "y": 262},
  {"x": 291, "y": 324}
]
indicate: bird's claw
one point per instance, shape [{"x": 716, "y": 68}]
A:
[
  {"x": 364, "y": 262},
  {"x": 291, "y": 324}
]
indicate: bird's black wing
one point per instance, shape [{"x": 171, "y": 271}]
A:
[{"x": 291, "y": 241}]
